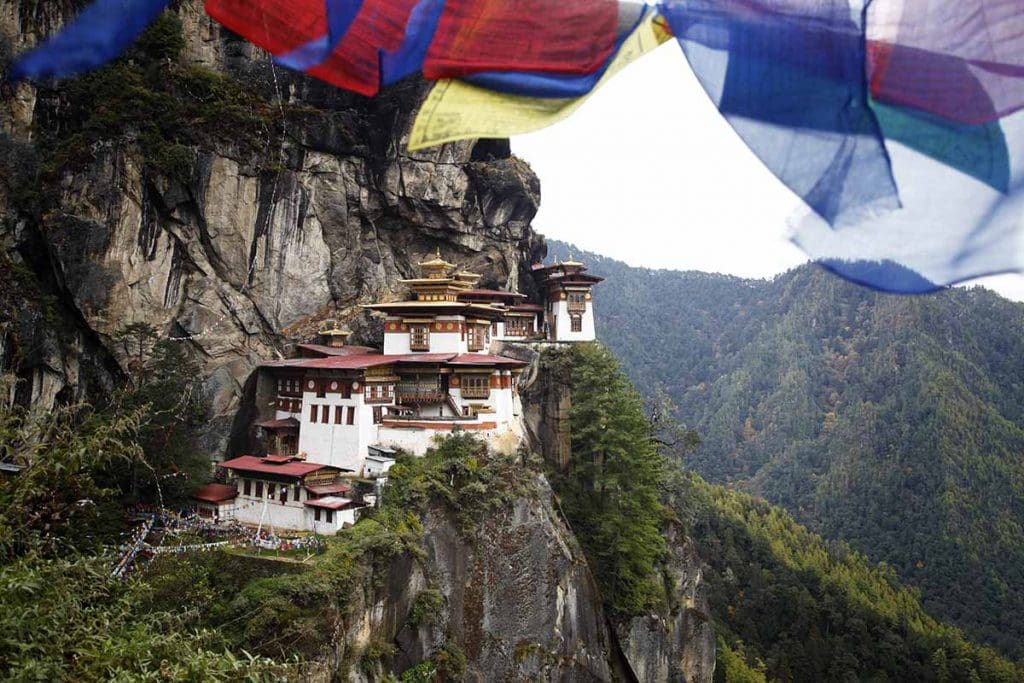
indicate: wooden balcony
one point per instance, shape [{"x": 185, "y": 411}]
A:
[{"x": 420, "y": 396}]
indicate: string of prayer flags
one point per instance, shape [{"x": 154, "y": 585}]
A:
[
  {"x": 898, "y": 123},
  {"x": 339, "y": 42},
  {"x": 789, "y": 78},
  {"x": 567, "y": 36},
  {"x": 951, "y": 226},
  {"x": 961, "y": 60}
]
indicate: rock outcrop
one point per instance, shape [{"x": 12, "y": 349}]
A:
[
  {"x": 678, "y": 645},
  {"x": 517, "y": 599},
  {"x": 251, "y": 242}
]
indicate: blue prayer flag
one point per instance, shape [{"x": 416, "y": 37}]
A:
[{"x": 99, "y": 34}]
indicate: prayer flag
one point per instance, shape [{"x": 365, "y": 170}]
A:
[
  {"x": 455, "y": 110},
  {"x": 99, "y": 34}
]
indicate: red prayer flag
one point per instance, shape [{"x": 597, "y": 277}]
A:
[
  {"x": 280, "y": 26},
  {"x": 557, "y": 36}
]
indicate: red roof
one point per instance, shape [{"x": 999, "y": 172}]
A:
[
  {"x": 278, "y": 424},
  {"x": 484, "y": 359},
  {"x": 526, "y": 307},
  {"x": 337, "y": 350},
  {"x": 424, "y": 357},
  {"x": 329, "y": 489},
  {"x": 357, "y": 362},
  {"x": 330, "y": 503},
  {"x": 290, "y": 467},
  {"x": 215, "y": 493},
  {"x": 361, "y": 362},
  {"x": 496, "y": 293}
]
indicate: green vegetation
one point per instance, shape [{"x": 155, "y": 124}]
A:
[
  {"x": 67, "y": 619},
  {"x": 165, "y": 386},
  {"x": 609, "y": 492},
  {"x": 893, "y": 423},
  {"x": 426, "y": 608},
  {"x": 459, "y": 473},
  {"x": 787, "y": 606},
  {"x": 62, "y": 615},
  {"x": 167, "y": 108},
  {"x": 57, "y": 502},
  {"x": 791, "y": 607},
  {"x": 201, "y": 616}
]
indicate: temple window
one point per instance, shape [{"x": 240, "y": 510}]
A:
[
  {"x": 476, "y": 386},
  {"x": 518, "y": 327},
  {"x": 477, "y": 337},
  {"x": 577, "y": 301},
  {"x": 325, "y": 414},
  {"x": 337, "y": 415},
  {"x": 247, "y": 487},
  {"x": 312, "y": 414},
  {"x": 419, "y": 337},
  {"x": 330, "y": 516},
  {"x": 351, "y": 417},
  {"x": 576, "y": 323},
  {"x": 379, "y": 392},
  {"x": 288, "y": 387}
]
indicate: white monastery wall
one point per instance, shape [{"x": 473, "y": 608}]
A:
[{"x": 563, "y": 329}]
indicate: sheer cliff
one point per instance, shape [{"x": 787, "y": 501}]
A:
[
  {"x": 195, "y": 188},
  {"x": 230, "y": 204}
]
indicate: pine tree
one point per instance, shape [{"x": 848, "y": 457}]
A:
[{"x": 610, "y": 490}]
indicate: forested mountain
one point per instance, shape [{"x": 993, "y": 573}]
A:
[
  {"x": 785, "y": 604},
  {"x": 893, "y": 423}
]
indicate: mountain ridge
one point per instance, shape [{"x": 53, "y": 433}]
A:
[{"x": 893, "y": 423}]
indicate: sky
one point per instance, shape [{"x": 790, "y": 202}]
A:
[{"x": 648, "y": 172}]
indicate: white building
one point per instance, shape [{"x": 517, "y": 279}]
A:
[
  {"x": 286, "y": 493},
  {"x": 215, "y": 501},
  {"x": 568, "y": 309},
  {"x": 436, "y": 374}
]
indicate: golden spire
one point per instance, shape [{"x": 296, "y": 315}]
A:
[
  {"x": 570, "y": 262},
  {"x": 436, "y": 268}
]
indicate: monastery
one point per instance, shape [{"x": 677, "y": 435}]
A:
[{"x": 338, "y": 412}]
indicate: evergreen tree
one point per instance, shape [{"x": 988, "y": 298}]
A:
[
  {"x": 610, "y": 490},
  {"x": 165, "y": 385}
]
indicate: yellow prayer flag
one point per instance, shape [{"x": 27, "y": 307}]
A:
[{"x": 455, "y": 110}]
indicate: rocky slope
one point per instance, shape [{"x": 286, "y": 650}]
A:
[
  {"x": 239, "y": 242},
  {"x": 517, "y": 598}
]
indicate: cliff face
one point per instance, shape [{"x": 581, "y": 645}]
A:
[
  {"x": 515, "y": 597},
  {"x": 238, "y": 243},
  {"x": 678, "y": 645}
]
